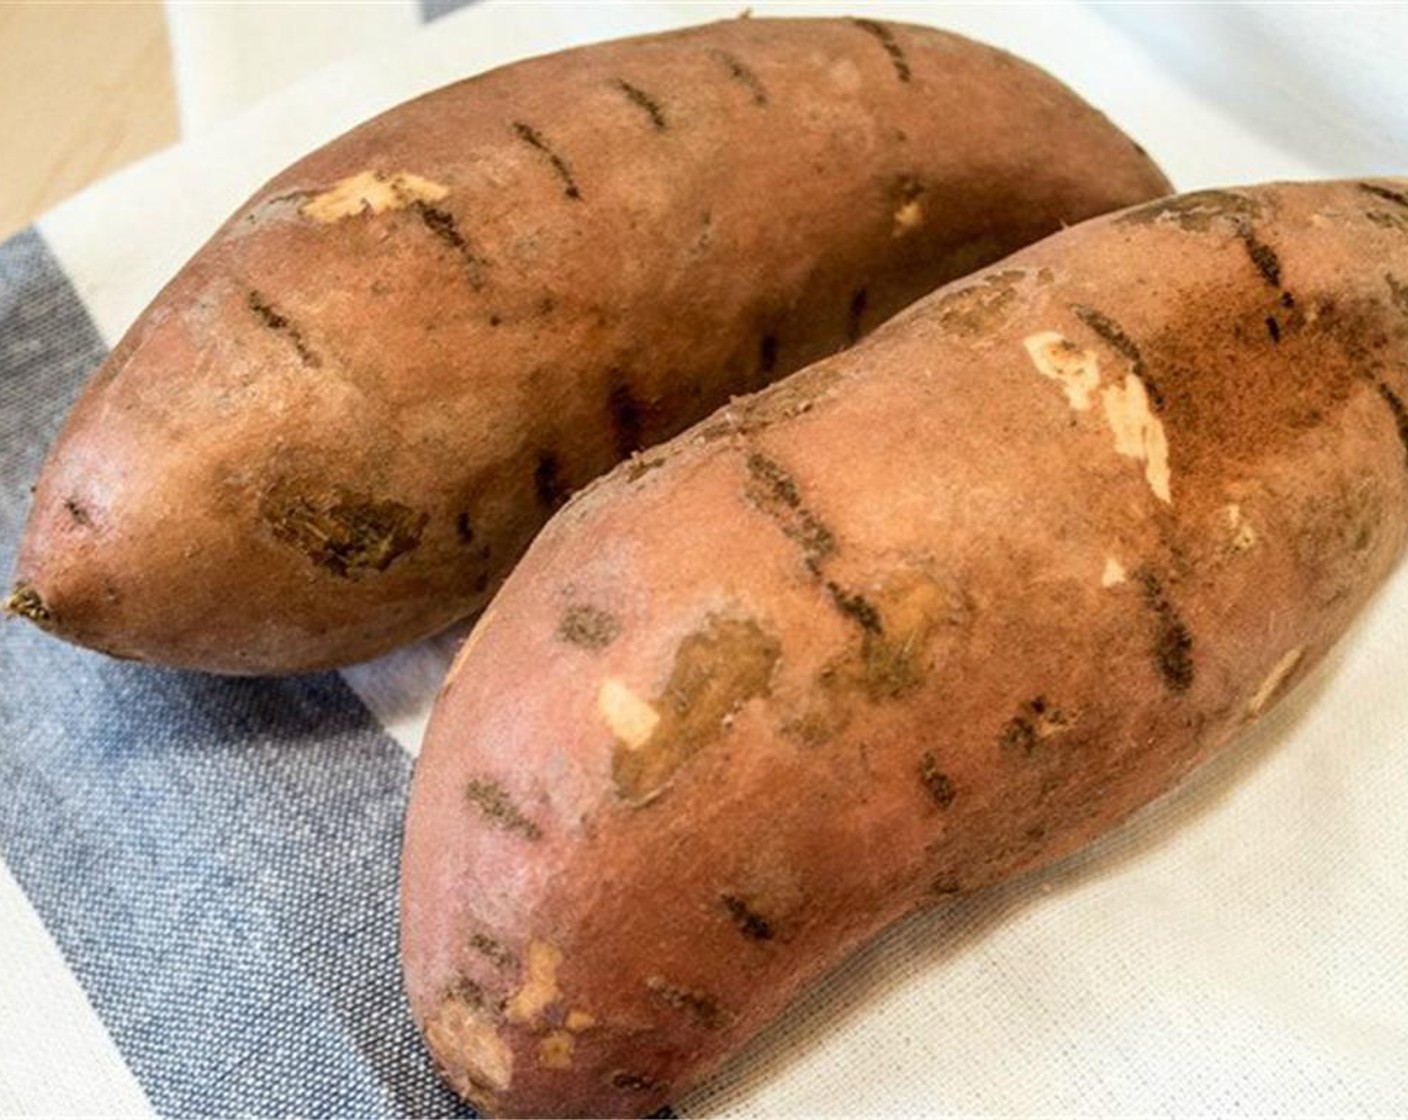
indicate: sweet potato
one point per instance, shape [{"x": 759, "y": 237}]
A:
[
  {"x": 341, "y": 423},
  {"x": 928, "y": 613}
]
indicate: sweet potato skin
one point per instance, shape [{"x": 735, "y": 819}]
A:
[
  {"x": 924, "y": 615},
  {"x": 342, "y": 422}
]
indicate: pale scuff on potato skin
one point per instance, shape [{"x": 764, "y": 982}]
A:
[
  {"x": 974, "y": 620},
  {"x": 338, "y": 427}
]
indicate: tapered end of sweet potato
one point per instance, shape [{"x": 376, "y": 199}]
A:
[
  {"x": 61, "y": 582},
  {"x": 196, "y": 576},
  {"x": 182, "y": 520},
  {"x": 25, "y": 602}
]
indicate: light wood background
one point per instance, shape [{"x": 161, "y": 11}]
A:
[{"x": 84, "y": 89}]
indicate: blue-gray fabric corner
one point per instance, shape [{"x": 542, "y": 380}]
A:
[
  {"x": 217, "y": 859},
  {"x": 434, "y": 9}
]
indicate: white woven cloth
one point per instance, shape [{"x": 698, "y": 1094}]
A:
[{"x": 1240, "y": 949}]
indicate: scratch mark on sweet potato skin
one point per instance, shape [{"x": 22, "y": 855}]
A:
[
  {"x": 1400, "y": 414},
  {"x": 493, "y": 801},
  {"x": 749, "y": 922},
  {"x": 646, "y": 103},
  {"x": 279, "y": 324},
  {"x": 1173, "y": 643},
  {"x": 534, "y": 139},
  {"x": 743, "y": 75},
  {"x": 442, "y": 225},
  {"x": 703, "y": 1008},
  {"x": 891, "y": 45}
]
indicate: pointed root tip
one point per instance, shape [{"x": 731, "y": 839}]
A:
[{"x": 26, "y": 602}]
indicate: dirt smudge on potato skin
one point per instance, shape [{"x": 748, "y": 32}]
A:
[
  {"x": 279, "y": 324},
  {"x": 717, "y": 669},
  {"x": 1172, "y": 649},
  {"x": 589, "y": 627},
  {"x": 495, "y": 805},
  {"x": 891, "y": 46},
  {"x": 343, "y": 531},
  {"x": 749, "y": 922}
]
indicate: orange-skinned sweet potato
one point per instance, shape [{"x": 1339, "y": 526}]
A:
[
  {"x": 921, "y": 616},
  {"x": 341, "y": 423}
]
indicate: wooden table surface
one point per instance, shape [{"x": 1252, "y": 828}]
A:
[{"x": 84, "y": 89}]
